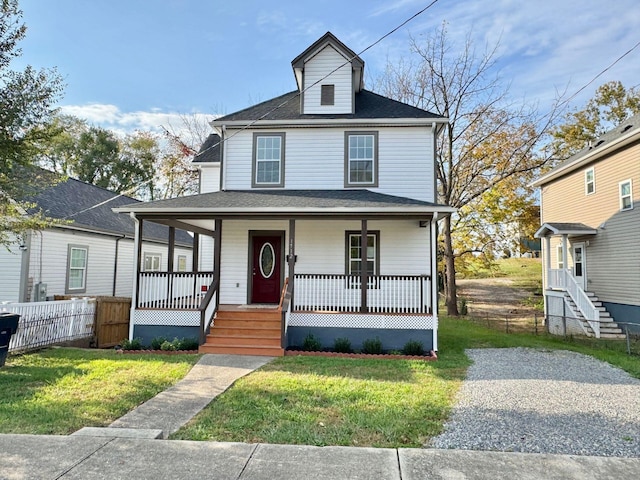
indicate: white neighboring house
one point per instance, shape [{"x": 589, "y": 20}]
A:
[
  {"x": 289, "y": 189},
  {"x": 90, "y": 254}
]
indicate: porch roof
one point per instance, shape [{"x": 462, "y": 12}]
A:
[
  {"x": 283, "y": 203},
  {"x": 570, "y": 229}
]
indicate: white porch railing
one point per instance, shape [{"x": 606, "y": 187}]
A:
[
  {"x": 172, "y": 291},
  {"x": 562, "y": 279},
  {"x": 48, "y": 323},
  {"x": 406, "y": 294}
]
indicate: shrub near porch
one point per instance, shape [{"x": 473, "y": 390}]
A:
[{"x": 333, "y": 401}]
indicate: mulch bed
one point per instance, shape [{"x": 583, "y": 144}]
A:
[
  {"x": 158, "y": 352},
  {"x": 430, "y": 357}
]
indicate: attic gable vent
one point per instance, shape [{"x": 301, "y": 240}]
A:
[{"x": 327, "y": 94}]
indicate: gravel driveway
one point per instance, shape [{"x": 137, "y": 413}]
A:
[{"x": 545, "y": 401}]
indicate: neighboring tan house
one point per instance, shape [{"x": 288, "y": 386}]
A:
[
  {"x": 89, "y": 253},
  {"x": 289, "y": 188},
  {"x": 591, "y": 231}
]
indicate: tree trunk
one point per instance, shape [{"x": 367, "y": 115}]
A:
[{"x": 451, "y": 296}]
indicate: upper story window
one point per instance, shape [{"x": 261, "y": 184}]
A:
[
  {"x": 327, "y": 94},
  {"x": 626, "y": 195},
  {"x": 77, "y": 257},
  {"x": 361, "y": 159},
  {"x": 589, "y": 181},
  {"x": 268, "y": 160}
]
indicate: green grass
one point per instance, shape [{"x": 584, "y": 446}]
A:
[
  {"x": 60, "y": 390},
  {"x": 379, "y": 403}
]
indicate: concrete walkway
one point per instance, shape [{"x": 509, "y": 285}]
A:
[{"x": 127, "y": 449}]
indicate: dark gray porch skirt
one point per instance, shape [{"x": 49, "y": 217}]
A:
[
  {"x": 146, "y": 333},
  {"x": 625, "y": 314},
  {"x": 392, "y": 339}
]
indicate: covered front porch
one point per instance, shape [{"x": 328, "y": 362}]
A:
[{"x": 281, "y": 269}]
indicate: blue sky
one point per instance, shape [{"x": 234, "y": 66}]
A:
[{"x": 138, "y": 63}]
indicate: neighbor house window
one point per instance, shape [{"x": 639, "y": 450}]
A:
[
  {"x": 77, "y": 257},
  {"x": 626, "y": 195},
  {"x": 327, "y": 94},
  {"x": 268, "y": 160},
  {"x": 152, "y": 262},
  {"x": 560, "y": 257},
  {"x": 361, "y": 159},
  {"x": 182, "y": 263},
  {"x": 589, "y": 181},
  {"x": 353, "y": 254}
]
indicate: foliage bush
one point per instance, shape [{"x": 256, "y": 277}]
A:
[
  {"x": 168, "y": 346},
  {"x": 188, "y": 344},
  {"x": 311, "y": 344},
  {"x": 135, "y": 344},
  {"x": 463, "y": 308},
  {"x": 342, "y": 345},
  {"x": 157, "y": 342},
  {"x": 413, "y": 347},
  {"x": 372, "y": 346}
]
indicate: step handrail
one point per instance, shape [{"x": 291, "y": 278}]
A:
[
  {"x": 206, "y": 315},
  {"x": 589, "y": 311}
]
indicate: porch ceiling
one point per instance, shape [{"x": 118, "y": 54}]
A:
[{"x": 569, "y": 229}]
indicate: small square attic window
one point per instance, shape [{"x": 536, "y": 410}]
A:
[{"x": 327, "y": 94}]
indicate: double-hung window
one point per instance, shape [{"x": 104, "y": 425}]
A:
[
  {"x": 268, "y": 160},
  {"x": 626, "y": 195},
  {"x": 589, "y": 181},
  {"x": 77, "y": 257},
  {"x": 354, "y": 253},
  {"x": 361, "y": 159},
  {"x": 152, "y": 262}
]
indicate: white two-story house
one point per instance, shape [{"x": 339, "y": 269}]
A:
[{"x": 317, "y": 215}]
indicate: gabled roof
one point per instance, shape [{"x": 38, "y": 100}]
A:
[
  {"x": 369, "y": 105},
  {"x": 288, "y": 202},
  {"x": 624, "y": 134},
  {"x": 209, "y": 151},
  {"x": 89, "y": 208},
  {"x": 357, "y": 64},
  {"x": 570, "y": 229}
]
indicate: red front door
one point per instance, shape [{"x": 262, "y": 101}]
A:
[{"x": 265, "y": 268}]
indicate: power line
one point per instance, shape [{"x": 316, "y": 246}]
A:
[{"x": 253, "y": 122}]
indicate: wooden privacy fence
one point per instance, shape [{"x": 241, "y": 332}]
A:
[{"x": 111, "y": 321}]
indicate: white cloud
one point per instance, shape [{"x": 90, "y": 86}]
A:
[{"x": 112, "y": 118}]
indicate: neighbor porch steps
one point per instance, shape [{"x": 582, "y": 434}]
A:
[
  {"x": 241, "y": 330},
  {"x": 608, "y": 328}
]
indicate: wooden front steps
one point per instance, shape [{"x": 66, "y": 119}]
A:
[{"x": 241, "y": 330}]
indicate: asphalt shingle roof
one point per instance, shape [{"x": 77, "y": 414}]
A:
[
  {"x": 90, "y": 207},
  {"x": 369, "y": 105},
  {"x": 283, "y": 199},
  {"x": 209, "y": 151}
]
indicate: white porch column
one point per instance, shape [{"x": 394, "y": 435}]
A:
[
  {"x": 136, "y": 272},
  {"x": 434, "y": 278},
  {"x": 547, "y": 261}
]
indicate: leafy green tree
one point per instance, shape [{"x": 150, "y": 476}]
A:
[
  {"x": 27, "y": 100},
  {"x": 610, "y": 106}
]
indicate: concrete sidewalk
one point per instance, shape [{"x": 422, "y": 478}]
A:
[{"x": 41, "y": 457}]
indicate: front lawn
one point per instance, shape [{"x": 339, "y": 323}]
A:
[
  {"x": 58, "y": 391},
  {"x": 333, "y": 401}
]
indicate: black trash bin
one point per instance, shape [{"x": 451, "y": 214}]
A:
[{"x": 8, "y": 326}]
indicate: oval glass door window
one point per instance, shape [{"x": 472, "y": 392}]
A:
[{"x": 267, "y": 260}]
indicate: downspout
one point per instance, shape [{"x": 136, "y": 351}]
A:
[
  {"x": 434, "y": 278},
  {"x": 25, "y": 248},
  {"x": 115, "y": 267}
]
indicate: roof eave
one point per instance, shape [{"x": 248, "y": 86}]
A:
[
  {"x": 318, "y": 122},
  {"x": 264, "y": 211}
]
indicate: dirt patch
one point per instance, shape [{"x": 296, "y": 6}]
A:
[{"x": 495, "y": 297}]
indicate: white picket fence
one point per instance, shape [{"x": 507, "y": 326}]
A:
[{"x": 48, "y": 323}]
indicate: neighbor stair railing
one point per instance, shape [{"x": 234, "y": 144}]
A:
[{"x": 562, "y": 279}]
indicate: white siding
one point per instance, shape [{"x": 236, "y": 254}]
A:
[
  {"x": 325, "y": 61},
  {"x": 320, "y": 247},
  {"x": 209, "y": 178},
  {"x": 314, "y": 159},
  {"x": 10, "y": 265}
]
